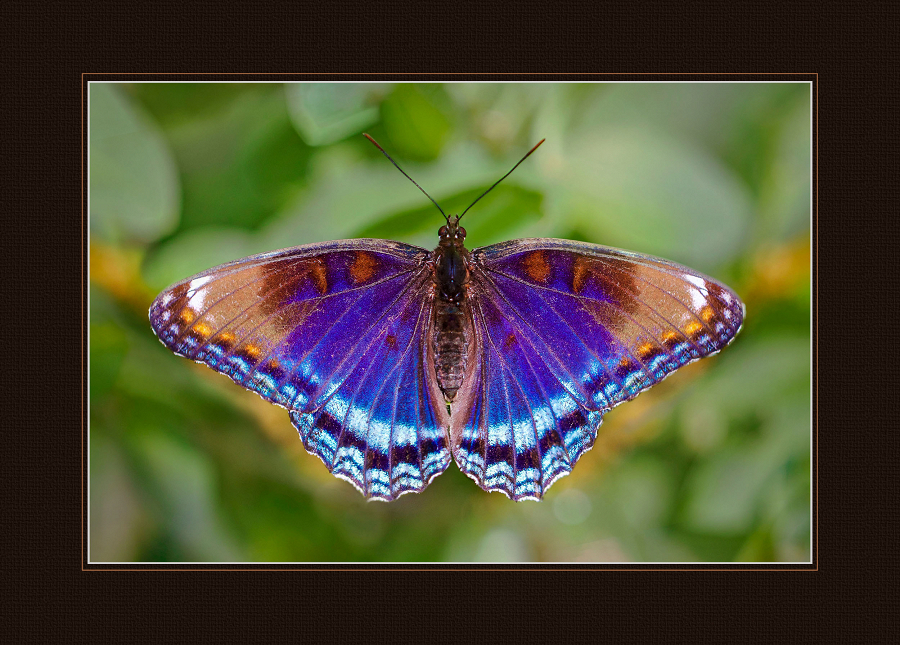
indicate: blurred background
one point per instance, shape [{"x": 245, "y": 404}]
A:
[{"x": 713, "y": 464}]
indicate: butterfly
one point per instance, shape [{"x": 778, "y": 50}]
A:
[{"x": 391, "y": 358}]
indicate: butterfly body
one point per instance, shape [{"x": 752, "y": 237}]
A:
[{"x": 452, "y": 332}]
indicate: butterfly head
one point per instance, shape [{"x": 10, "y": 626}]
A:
[{"x": 452, "y": 234}]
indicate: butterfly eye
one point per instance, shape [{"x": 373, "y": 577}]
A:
[
  {"x": 462, "y": 233},
  {"x": 442, "y": 231}
]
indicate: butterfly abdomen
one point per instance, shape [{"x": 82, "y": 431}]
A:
[{"x": 450, "y": 339}]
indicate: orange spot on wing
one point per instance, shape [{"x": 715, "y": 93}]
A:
[
  {"x": 510, "y": 341},
  {"x": 253, "y": 351},
  {"x": 670, "y": 338},
  {"x": 580, "y": 272},
  {"x": 319, "y": 275},
  {"x": 536, "y": 266},
  {"x": 203, "y": 329},
  {"x": 391, "y": 341},
  {"x": 707, "y": 314},
  {"x": 693, "y": 328},
  {"x": 646, "y": 350},
  {"x": 188, "y": 316},
  {"x": 363, "y": 267}
]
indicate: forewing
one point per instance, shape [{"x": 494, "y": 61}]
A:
[
  {"x": 337, "y": 334},
  {"x": 564, "y": 332}
]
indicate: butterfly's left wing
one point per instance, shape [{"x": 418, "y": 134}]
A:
[
  {"x": 337, "y": 333},
  {"x": 565, "y": 331}
]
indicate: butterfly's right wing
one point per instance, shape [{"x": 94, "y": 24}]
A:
[
  {"x": 337, "y": 333},
  {"x": 564, "y": 331}
]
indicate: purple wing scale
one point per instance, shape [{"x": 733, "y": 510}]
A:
[
  {"x": 566, "y": 331},
  {"x": 336, "y": 333}
]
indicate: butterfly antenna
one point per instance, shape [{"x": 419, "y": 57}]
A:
[
  {"x": 502, "y": 178},
  {"x": 375, "y": 143}
]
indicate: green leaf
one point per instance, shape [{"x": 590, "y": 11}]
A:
[
  {"x": 108, "y": 348},
  {"x": 786, "y": 196},
  {"x": 185, "y": 484},
  {"x": 726, "y": 492},
  {"x": 324, "y": 113},
  {"x": 133, "y": 181},
  {"x": 642, "y": 489},
  {"x": 646, "y": 192},
  {"x": 417, "y": 127},
  {"x": 243, "y": 165}
]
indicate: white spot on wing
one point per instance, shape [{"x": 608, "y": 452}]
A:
[
  {"x": 198, "y": 295},
  {"x": 336, "y": 407},
  {"x": 698, "y": 297},
  {"x": 404, "y": 434},
  {"x": 379, "y": 435},
  {"x": 562, "y": 405}
]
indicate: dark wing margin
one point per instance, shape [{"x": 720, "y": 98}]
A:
[
  {"x": 323, "y": 330},
  {"x": 566, "y": 331}
]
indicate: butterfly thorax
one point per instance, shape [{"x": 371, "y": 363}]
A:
[{"x": 452, "y": 327}]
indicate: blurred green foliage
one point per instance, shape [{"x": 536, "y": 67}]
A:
[{"x": 711, "y": 465}]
